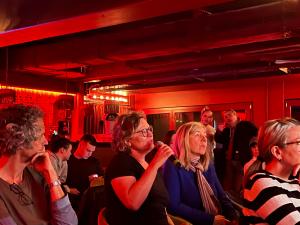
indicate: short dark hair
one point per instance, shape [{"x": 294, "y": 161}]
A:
[
  {"x": 59, "y": 142},
  {"x": 168, "y": 137},
  {"x": 18, "y": 127},
  {"x": 89, "y": 139}
]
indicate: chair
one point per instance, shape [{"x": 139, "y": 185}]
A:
[
  {"x": 101, "y": 217},
  {"x": 178, "y": 220},
  {"x": 92, "y": 201}
]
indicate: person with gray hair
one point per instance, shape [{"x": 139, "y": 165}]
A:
[
  {"x": 195, "y": 192},
  {"x": 135, "y": 190},
  {"x": 30, "y": 191},
  {"x": 271, "y": 196}
]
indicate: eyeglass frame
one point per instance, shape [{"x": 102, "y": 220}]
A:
[
  {"x": 23, "y": 198},
  {"x": 292, "y": 142},
  {"x": 145, "y": 131}
]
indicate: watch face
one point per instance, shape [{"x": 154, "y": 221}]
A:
[{"x": 55, "y": 183}]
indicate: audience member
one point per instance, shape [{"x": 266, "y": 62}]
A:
[
  {"x": 169, "y": 139},
  {"x": 270, "y": 196},
  {"x": 29, "y": 194},
  {"x": 236, "y": 152},
  {"x": 194, "y": 189},
  {"x": 207, "y": 116},
  {"x": 81, "y": 165},
  {"x": 60, "y": 152},
  {"x": 135, "y": 191},
  {"x": 254, "y": 152},
  {"x": 207, "y": 120}
]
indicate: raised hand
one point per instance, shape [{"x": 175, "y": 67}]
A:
[
  {"x": 41, "y": 163},
  {"x": 162, "y": 154}
]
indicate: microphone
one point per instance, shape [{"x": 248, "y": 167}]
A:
[{"x": 172, "y": 158}]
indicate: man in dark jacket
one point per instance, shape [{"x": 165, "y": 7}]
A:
[{"x": 235, "y": 150}]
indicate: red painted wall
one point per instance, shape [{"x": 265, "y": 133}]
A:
[{"x": 266, "y": 94}]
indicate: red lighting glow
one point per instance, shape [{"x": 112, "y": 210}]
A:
[
  {"x": 36, "y": 91},
  {"x": 104, "y": 93}
]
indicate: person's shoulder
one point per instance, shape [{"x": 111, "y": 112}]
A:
[
  {"x": 31, "y": 172},
  {"x": 180, "y": 169},
  {"x": 119, "y": 159},
  {"x": 262, "y": 179},
  {"x": 123, "y": 165},
  {"x": 225, "y": 131},
  {"x": 169, "y": 165},
  {"x": 245, "y": 123},
  {"x": 210, "y": 169}
]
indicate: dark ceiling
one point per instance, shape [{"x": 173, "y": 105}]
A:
[{"x": 146, "y": 43}]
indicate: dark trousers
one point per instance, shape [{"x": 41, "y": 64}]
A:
[{"x": 233, "y": 178}]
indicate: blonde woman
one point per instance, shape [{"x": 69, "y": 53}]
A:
[
  {"x": 270, "y": 196},
  {"x": 194, "y": 189}
]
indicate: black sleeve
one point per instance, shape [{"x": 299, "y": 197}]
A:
[{"x": 122, "y": 165}]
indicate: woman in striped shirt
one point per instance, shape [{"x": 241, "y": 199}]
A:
[{"x": 270, "y": 196}]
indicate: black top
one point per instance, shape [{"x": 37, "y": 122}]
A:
[
  {"x": 152, "y": 210},
  {"x": 79, "y": 171}
]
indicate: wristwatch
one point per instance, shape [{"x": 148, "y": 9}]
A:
[{"x": 54, "y": 183}]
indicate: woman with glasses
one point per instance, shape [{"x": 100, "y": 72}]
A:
[
  {"x": 135, "y": 191},
  {"x": 271, "y": 196},
  {"x": 194, "y": 189},
  {"x": 30, "y": 190}
]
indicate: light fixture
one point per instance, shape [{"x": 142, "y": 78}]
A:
[
  {"x": 112, "y": 93},
  {"x": 284, "y": 69}
]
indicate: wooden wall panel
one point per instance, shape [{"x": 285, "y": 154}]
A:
[{"x": 266, "y": 94}]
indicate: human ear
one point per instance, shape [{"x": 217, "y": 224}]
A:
[
  {"x": 128, "y": 143},
  {"x": 276, "y": 152}
]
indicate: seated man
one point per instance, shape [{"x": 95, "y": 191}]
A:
[
  {"x": 30, "y": 191},
  {"x": 81, "y": 165},
  {"x": 60, "y": 152}
]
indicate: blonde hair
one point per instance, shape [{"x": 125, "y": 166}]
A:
[
  {"x": 273, "y": 133},
  {"x": 182, "y": 144}
]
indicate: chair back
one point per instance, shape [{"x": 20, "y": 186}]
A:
[
  {"x": 92, "y": 201},
  {"x": 102, "y": 218},
  {"x": 178, "y": 220}
]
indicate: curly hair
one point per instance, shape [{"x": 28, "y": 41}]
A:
[
  {"x": 124, "y": 128},
  {"x": 18, "y": 128}
]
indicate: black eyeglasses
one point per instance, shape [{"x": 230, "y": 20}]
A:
[
  {"x": 292, "y": 142},
  {"x": 23, "y": 198},
  {"x": 145, "y": 131}
]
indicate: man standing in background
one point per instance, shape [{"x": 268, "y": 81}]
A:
[
  {"x": 235, "y": 141},
  {"x": 207, "y": 120}
]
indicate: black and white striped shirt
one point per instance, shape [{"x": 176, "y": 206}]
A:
[{"x": 269, "y": 199}]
